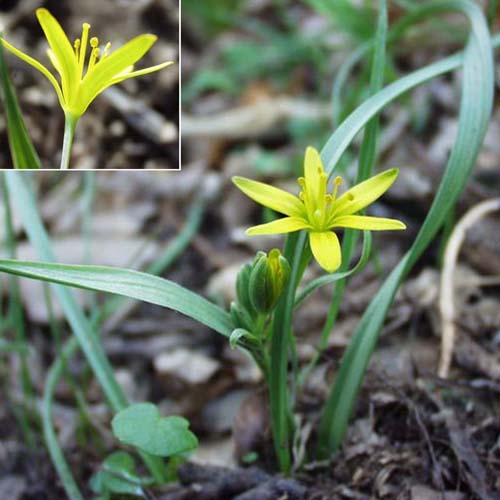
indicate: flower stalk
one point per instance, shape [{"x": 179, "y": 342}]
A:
[{"x": 69, "y": 135}]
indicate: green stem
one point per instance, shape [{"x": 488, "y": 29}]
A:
[
  {"x": 280, "y": 340},
  {"x": 55, "y": 451},
  {"x": 69, "y": 134}
]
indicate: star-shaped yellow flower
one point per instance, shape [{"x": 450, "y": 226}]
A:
[
  {"x": 319, "y": 212},
  {"x": 78, "y": 88}
]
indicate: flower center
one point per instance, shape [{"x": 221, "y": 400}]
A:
[{"x": 318, "y": 203}]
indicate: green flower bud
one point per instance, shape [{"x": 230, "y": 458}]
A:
[{"x": 267, "y": 280}]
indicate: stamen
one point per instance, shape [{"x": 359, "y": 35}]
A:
[
  {"x": 301, "y": 181},
  {"x": 323, "y": 180},
  {"x": 93, "y": 58},
  {"x": 76, "y": 45},
  {"x": 337, "y": 182},
  {"x": 83, "y": 47},
  {"x": 106, "y": 50}
]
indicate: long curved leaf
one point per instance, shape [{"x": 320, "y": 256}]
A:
[
  {"x": 475, "y": 110},
  {"x": 132, "y": 284},
  {"x": 24, "y": 155}
]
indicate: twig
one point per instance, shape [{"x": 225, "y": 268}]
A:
[
  {"x": 446, "y": 303},
  {"x": 252, "y": 120}
]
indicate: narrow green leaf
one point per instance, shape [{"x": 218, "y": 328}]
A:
[
  {"x": 132, "y": 284},
  {"x": 366, "y": 164},
  {"x": 24, "y": 155},
  {"x": 141, "y": 425}
]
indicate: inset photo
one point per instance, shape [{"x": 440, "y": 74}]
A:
[{"x": 89, "y": 85}]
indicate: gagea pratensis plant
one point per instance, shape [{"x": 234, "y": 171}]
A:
[
  {"x": 84, "y": 69},
  {"x": 273, "y": 285}
]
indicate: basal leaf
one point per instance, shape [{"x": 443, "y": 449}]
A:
[
  {"x": 141, "y": 425},
  {"x": 133, "y": 284}
]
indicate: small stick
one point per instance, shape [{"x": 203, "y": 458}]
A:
[{"x": 446, "y": 303}]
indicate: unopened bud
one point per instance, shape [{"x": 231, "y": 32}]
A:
[{"x": 268, "y": 280}]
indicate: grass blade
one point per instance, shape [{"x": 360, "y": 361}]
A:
[
  {"x": 475, "y": 111},
  {"x": 83, "y": 331},
  {"x": 24, "y": 155},
  {"x": 366, "y": 164},
  {"x": 132, "y": 284}
]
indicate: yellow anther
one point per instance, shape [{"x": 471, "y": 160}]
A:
[
  {"x": 301, "y": 181},
  {"x": 329, "y": 198},
  {"x": 76, "y": 45},
  {"x": 94, "y": 42},
  {"x": 337, "y": 182}
]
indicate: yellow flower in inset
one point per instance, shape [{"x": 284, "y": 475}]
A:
[
  {"x": 319, "y": 212},
  {"x": 80, "y": 80}
]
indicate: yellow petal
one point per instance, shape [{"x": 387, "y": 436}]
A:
[
  {"x": 313, "y": 168},
  {"x": 62, "y": 49},
  {"x": 361, "y": 195},
  {"x": 280, "y": 226},
  {"x": 368, "y": 223},
  {"x": 102, "y": 74},
  {"x": 53, "y": 59},
  {"x": 130, "y": 74},
  {"x": 325, "y": 247},
  {"x": 39, "y": 66},
  {"x": 269, "y": 196},
  {"x": 141, "y": 72}
]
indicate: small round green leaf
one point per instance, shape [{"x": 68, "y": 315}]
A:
[{"x": 141, "y": 425}]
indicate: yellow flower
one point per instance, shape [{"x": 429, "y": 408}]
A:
[
  {"x": 319, "y": 212},
  {"x": 78, "y": 88}
]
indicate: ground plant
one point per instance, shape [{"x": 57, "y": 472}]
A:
[{"x": 270, "y": 288}]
